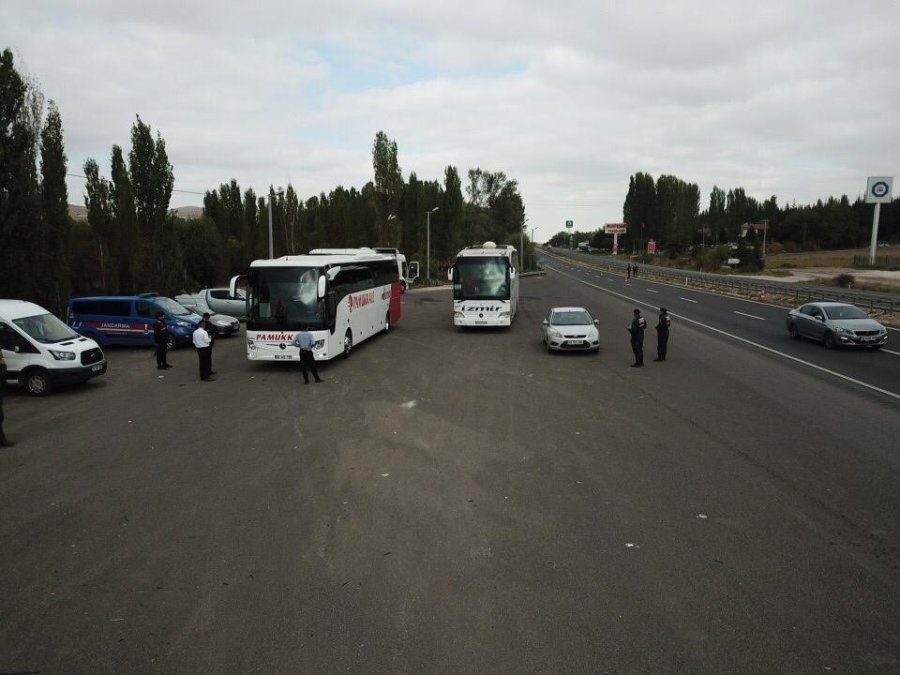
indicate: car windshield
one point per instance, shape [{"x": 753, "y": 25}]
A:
[
  {"x": 841, "y": 312},
  {"x": 172, "y": 307},
  {"x": 571, "y": 318},
  {"x": 46, "y": 328}
]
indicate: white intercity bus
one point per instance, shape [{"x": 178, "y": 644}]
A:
[
  {"x": 485, "y": 285},
  {"x": 409, "y": 271},
  {"x": 343, "y": 299}
]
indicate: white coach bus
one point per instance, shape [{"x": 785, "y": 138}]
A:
[
  {"x": 485, "y": 285},
  {"x": 343, "y": 298}
]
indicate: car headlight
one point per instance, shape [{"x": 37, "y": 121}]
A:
[
  {"x": 841, "y": 329},
  {"x": 555, "y": 334},
  {"x": 184, "y": 324},
  {"x": 62, "y": 356}
]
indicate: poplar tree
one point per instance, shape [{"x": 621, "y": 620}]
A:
[{"x": 56, "y": 211}]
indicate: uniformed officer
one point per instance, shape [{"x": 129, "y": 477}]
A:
[
  {"x": 662, "y": 334},
  {"x": 637, "y": 327},
  {"x": 161, "y": 339}
]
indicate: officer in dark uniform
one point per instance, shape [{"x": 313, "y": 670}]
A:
[
  {"x": 662, "y": 334},
  {"x": 161, "y": 339},
  {"x": 637, "y": 327},
  {"x": 4, "y": 441}
]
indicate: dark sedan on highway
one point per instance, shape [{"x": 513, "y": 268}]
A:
[{"x": 837, "y": 324}]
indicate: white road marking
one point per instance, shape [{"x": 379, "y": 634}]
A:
[
  {"x": 688, "y": 300},
  {"x": 814, "y": 366},
  {"x": 650, "y": 290},
  {"x": 758, "y": 318}
]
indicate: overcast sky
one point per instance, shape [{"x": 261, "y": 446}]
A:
[{"x": 797, "y": 99}]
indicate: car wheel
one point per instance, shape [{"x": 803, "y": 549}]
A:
[
  {"x": 795, "y": 334},
  {"x": 37, "y": 382},
  {"x": 348, "y": 344},
  {"x": 387, "y": 322},
  {"x": 829, "y": 341},
  {"x": 171, "y": 343}
]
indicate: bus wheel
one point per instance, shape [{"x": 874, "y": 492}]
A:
[
  {"x": 37, "y": 382},
  {"x": 387, "y": 322},
  {"x": 348, "y": 344}
]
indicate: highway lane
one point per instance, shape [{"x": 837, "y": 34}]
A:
[{"x": 755, "y": 322}]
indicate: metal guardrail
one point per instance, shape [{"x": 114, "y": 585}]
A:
[
  {"x": 869, "y": 300},
  {"x": 881, "y": 262}
]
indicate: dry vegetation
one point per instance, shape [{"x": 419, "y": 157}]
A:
[{"x": 840, "y": 258}]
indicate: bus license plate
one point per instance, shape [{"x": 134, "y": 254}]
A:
[{"x": 284, "y": 356}]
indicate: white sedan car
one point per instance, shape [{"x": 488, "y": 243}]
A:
[{"x": 570, "y": 329}]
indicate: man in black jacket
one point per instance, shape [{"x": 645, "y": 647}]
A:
[
  {"x": 662, "y": 334},
  {"x": 161, "y": 339},
  {"x": 637, "y": 327}
]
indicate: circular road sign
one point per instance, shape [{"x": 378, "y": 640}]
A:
[{"x": 880, "y": 189}]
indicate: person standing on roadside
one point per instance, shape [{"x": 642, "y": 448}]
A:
[
  {"x": 628, "y": 274},
  {"x": 662, "y": 334},
  {"x": 161, "y": 339},
  {"x": 203, "y": 345},
  {"x": 634, "y": 271},
  {"x": 304, "y": 341},
  {"x": 637, "y": 327},
  {"x": 4, "y": 441}
]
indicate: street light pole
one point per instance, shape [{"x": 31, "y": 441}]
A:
[
  {"x": 428, "y": 242},
  {"x": 271, "y": 244}
]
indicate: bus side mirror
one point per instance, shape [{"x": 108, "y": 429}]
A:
[
  {"x": 450, "y": 274},
  {"x": 413, "y": 270},
  {"x": 321, "y": 289},
  {"x": 512, "y": 272}
]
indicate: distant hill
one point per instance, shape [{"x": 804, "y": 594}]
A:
[{"x": 187, "y": 212}]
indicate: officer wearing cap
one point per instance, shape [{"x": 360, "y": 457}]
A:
[
  {"x": 161, "y": 339},
  {"x": 637, "y": 327},
  {"x": 662, "y": 334}
]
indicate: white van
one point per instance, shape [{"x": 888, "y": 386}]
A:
[{"x": 42, "y": 352}]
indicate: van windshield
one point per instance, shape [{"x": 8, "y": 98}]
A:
[
  {"x": 171, "y": 307},
  {"x": 45, "y": 328}
]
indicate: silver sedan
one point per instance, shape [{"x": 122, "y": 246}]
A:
[
  {"x": 570, "y": 329},
  {"x": 837, "y": 324}
]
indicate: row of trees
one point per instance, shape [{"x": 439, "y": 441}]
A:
[
  {"x": 668, "y": 210},
  {"x": 131, "y": 242}
]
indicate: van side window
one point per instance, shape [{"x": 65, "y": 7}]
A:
[
  {"x": 146, "y": 309},
  {"x": 102, "y": 307},
  {"x": 10, "y": 339}
]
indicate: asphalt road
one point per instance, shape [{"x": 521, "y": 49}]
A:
[
  {"x": 457, "y": 501},
  {"x": 755, "y": 323}
]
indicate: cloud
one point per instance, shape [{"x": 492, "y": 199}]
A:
[{"x": 796, "y": 100}]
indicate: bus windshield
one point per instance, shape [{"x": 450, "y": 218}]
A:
[
  {"x": 284, "y": 298},
  {"x": 481, "y": 278}
]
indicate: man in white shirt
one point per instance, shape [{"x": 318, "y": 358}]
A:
[{"x": 203, "y": 343}]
